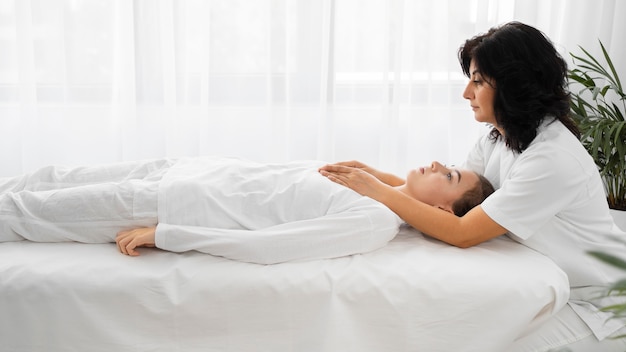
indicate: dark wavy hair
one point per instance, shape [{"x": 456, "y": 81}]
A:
[
  {"x": 473, "y": 197},
  {"x": 529, "y": 77}
]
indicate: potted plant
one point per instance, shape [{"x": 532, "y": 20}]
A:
[{"x": 599, "y": 108}]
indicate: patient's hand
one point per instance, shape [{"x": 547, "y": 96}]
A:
[
  {"x": 128, "y": 240},
  {"x": 357, "y": 179}
]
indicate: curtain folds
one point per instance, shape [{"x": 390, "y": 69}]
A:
[{"x": 92, "y": 81}]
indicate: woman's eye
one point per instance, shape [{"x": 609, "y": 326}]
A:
[{"x": 449, "y": 176}]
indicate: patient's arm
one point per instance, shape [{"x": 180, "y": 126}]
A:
[{"x": 364, "y": 227}]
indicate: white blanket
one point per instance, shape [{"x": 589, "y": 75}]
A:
[{"x": 415, "y": 294}]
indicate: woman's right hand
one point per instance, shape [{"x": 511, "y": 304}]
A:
[
  {"x": 359, "y": 165},
  {"x": 384, "y": 177},
  {"x": 354, "y": 178}
]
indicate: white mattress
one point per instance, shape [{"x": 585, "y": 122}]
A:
[{"x": 416, "y": 294}]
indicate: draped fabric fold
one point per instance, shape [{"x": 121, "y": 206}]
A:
[{"x": 92, "y": 81}]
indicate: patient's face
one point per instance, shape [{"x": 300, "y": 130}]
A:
[{"x": 438, "y": 185}]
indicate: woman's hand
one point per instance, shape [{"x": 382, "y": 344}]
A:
[
  {"x": 358, "y": 165},
  {"x": 128, "y": 240},
  {"x": 354, "y": 178},
  {"x": 384, "y": 177}
]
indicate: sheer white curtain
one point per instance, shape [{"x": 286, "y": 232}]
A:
[{"x": 90, "y": 81}]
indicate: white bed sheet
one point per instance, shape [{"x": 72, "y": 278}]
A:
[{"x": 416, "y": 294}]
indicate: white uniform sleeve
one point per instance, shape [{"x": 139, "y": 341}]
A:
[
  {"x": 540, "y": 186},
  {"x": 360, "y": 229}
]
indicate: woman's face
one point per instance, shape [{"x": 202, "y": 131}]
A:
[
  {"x": 481, "y": 93},
  {"x": 438, "y": 185}
]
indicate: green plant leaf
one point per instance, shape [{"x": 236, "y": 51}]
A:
[
  {"x": 609, "y": 259},
  {"x": 599, "y": 109},
  {"x": 615, "y": 77},
  {"x": 619, "y": 286},
  {"x": 618, "y": 113}
]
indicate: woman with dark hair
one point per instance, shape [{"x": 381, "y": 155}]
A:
[
  {"x": 549, "y": 195},
  {"x": 531, "y": 79}
]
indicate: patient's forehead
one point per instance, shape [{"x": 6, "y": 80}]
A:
[{"x": 468, "y": 179}]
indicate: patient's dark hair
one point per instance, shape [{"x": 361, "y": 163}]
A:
[{"x": 473, "y": 197}]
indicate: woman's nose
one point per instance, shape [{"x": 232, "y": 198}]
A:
[{"x": 467, "y": 91}]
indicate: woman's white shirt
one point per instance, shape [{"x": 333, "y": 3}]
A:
[{"x": 550, "y": 198}]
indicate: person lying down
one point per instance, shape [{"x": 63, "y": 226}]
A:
[{"x": 234, "y": 208}]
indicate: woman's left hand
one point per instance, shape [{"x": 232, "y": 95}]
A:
[
  {"x": 128, "y": 240},
  {"x": 356, "y": 179}
]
